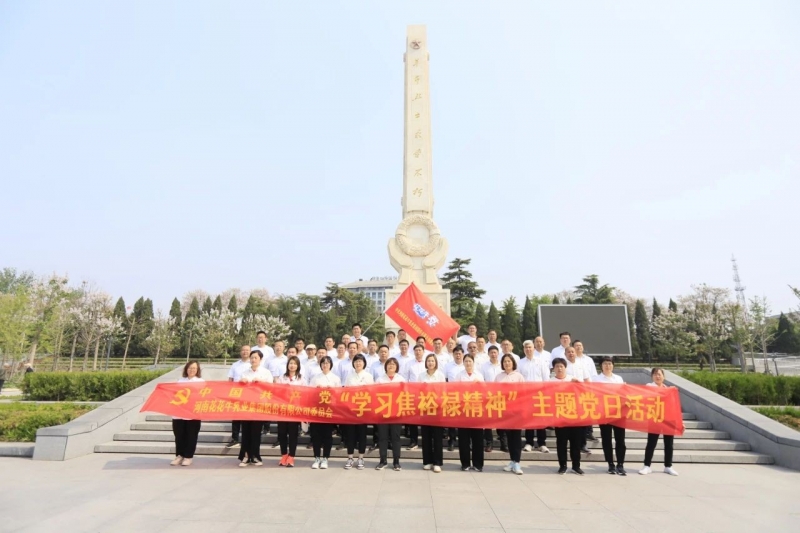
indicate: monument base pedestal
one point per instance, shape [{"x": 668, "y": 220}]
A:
[{"x": 436, "y": 293}]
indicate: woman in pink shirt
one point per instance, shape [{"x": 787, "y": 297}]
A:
[{"x": 511, "y": 375}]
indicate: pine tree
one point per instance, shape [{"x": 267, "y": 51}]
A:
[
  {"x": 555, "y": 300},
  {"x": 656, "y": 309},
  {"x": 642, "y": 330},
  {"x": 207, "y": 305},
  {"x": 569, "y": 301},
  {"x": 510, "y": 321},
  {"x": 121, "y": 314},
  {"x": 632, "y": 333},
  {"x": 217, "y": 305},
  {"x": 233, "y": 306},
  {"x": 480, "y": 320},
  {"x": 787, "y": 338},
  {"x": 119, "y": 309},
  {"x": 673, "y": 306},
  {"x": 175, "y": 313},
  {"x": 530, "y": 329},
  {"x": 591, "y": 292},
  {"x": 464, "y": 291},
  {"x": 493, "y": 321},
  {"x": 194, "y": 310}
]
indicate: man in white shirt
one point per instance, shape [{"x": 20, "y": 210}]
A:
[
  {"x": 357, "y": 335},
  {"x": 451, "y": 344},
  {"x": 564, "y": 339},
  {"x": 493, "y": 340},
  {"x": 278, "y": 365},
  {"x": 261, "y": 345},
  {"x": 377, "y": 369},
  {"x": 490, "y": 371},
  {"x": 438, "y": 350},
  {"x": 456, "y": 366},
  {"x": 300, "y": 346},
  {"x": 589, "y": 372},
  {"x": 345, "y": 367},
  {"x": 481, "y": 355},
  {"x": 410, "y": 372},
  {"x": 539, "y": 351},
  {"x": 403, "y": 357},
  {"x": 391, "y": 343},
  {"x": 535, "y": 367},
  {"x": 401, "y": 336},
  {"x": 308, "y": 352},
  {"x": 464, "y": 340},
  {"x": 507, "y": 347},
  {"x": 372, "y": 353},
  {"x": 235, "y": 374},
  {"x": 311, "y": 368},
  {"x": 330, "y": 346},
  {"x": 340, "y": 357}
]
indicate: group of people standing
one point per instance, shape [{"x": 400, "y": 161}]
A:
[{"x": 357, "y": 361}]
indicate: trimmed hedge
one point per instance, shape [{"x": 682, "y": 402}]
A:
[
  {"x": 788, "y": 416},
  {"x": 19, "y": 421},
  {"x": 84, "y": 386},
  {"x": 750, "y": 389}
]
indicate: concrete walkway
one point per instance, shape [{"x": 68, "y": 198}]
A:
[{"x": 119, "y": 493}]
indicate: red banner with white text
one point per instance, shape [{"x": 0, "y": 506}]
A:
[
  {"x": 457, "y": 405},
  {"x": 421, "y": 317}
]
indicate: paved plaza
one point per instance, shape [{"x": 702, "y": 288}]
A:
[{"x": 109, "y": 492}]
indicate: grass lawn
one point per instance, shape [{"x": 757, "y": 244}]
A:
[
  {"x": 788, "y": 416},
  {"x": 19, "y": 421}
]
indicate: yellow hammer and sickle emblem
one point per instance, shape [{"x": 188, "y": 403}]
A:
[{"x": 181, "y": 397}]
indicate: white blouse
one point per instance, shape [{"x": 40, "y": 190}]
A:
[
  {"x": 602, "y": 378},
  {"x": 326, "y": 380},
  {"x": 385, "y": 379},
  {"x": 474, "y": 377},
  {"x": 287, "y": 380},
  {"x": 261, "y": 375},
  {"x": 437, "y": 377},
  {"x": 359, "y": 378}
]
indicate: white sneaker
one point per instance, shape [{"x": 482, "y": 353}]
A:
[
  {"x": 509, "y": 467},
  {"x": 646, "y": 470},
  {"x": 349, "y": 464},
  {"x": 176, "y": 461},
  {"x": 544, "y": 449},
  {"x": 517, "y": 469},
  {"x": 527, "y": 448},
  {"x": 427, "y": 467},
  {"x": 257, "y": 462},
  {"x": 243, "y": 464},
  {"x": 315, "y": 466},
  {"x": 324, "y": 464},
  {"x": 671, "y": 471},
  {"x": 438, "y": 469},
  {"x": 360, "y": 464}
]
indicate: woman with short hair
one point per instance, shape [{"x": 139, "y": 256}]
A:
[
  {"x": 567, "y": 435},
  {"x": 470, "y": 440},
  {"x": 389, "y": 433},
  {"x": 432, "y": 452},
  {"x": 321, "y": 433},
  {"x": 186, "y": 431},
  {"x": 607, "y": 376},
  {"x": 250, "y": 452},
  {"x": 357, "y": 433},
  {"x": 287, "y": 431},
  {"x": 657, "y": 374},
  {"x": 510, "y": 374}
]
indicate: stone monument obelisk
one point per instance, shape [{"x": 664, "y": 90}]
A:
[{"x": 417, "y": 251}]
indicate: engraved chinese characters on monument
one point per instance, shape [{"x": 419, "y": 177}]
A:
[{"x": 418, "y": 249}]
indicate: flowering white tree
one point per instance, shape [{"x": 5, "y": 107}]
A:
[
  {"x": 275, "y": 327},
  {"x": 215, "y": 330},
  {"x": 163, "y": 337},
  {"x": 669, "y": 329},
  {"x": 761, "y": 331},
  {"x": 709, "y": 311}
]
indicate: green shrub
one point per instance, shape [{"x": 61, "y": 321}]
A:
[
  {"x": 19, "y": 421},
  {"x": 788, "y": 416},
  {"x": 84, "y": 386},
  {"x": 750, "y": 389}
]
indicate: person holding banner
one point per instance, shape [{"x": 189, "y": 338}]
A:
[
  {"x": 322, "y": 434},
  {"x": 608, "y": 376},
  {"x": 657, "y": 375},
  {"x": 564, "y": 435},
  {"x": 490, "y": 370},
  {"x": 470, "y": 440},
  {"x": 389, "y": 432},
  {"x": 357, "y": 433},
  {"x": 432, "y": 454},
  {"x": 250, "y": 452},
  {"x": 287, "y": 431},
  {"x": 186, "y": 431},
  {"x": 535, "y": 367},
  {"x": 514, "y": 436}
]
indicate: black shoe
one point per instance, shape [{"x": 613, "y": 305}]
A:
[
  {"x": 578, "y": 471},
  {"x": 503, "y": 448},
  {"x": 562, "y": 470},
  {"x": 621, "y": 471},
  {"x": 591, "y": 438},
  {"x": 450, "y": 446},
  {"x": 488, "y": 449},
  {"x": 372, "y": 449},
  {"x": 412, "y": 446},
  {"x": 397, "y": 467},
  {"x": 585, "y": 451},
  {"x": 475, "y": 468},
  {"x": 381, "y": 465},
  {"x": 612, "y": 470},
  {"x": 232, "y": 443}
]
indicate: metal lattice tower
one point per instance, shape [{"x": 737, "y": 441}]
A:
[{"x": 740, "y": 299}]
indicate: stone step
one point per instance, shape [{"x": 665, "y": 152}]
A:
[
  {"x": 632, "y": 443},
  {"x": 226, "y": 427},
  {"x": 634, "y": 457}
]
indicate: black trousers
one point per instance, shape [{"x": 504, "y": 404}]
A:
[
  {"x": 251, "y": 441},
  {"x": 321, "y": 439},
  {"x": 619, "y": 438},
  {"x": 413, "y": 434},
  {"x": 186, "y": 432},
  {"x": 452, "y": 434},
  {"x": 287, "y": 437},
  {"x": 236, "y": 429},
  {"x": 575, "y": 438},
  {"x": 356, "y": 434},
  {"x": 432, "y": 445},
  {"x": 514, "y": 444},
  {"x": 652, "y": 440},
  {"x": 389, "y": 434},
  {"x": 541, "y": 436},
  {"x": 470, "y": 445},
  {"x": 488, "y": 437}
]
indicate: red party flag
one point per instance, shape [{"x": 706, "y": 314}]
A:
[{"x": 420, "y": 316}]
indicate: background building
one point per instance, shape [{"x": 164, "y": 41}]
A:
[{"x": 375, "y": 288}]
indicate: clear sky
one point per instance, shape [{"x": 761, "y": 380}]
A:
[{"x": 158, "y": 147}]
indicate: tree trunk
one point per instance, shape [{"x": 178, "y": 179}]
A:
[
  {"x": 96, "y": 350},
  {"x": 32, "y": 356},
  {"x": 86, "y": 352},
  {"x": 742, "y": 362},
  {"x": 158, "y": 352},
  {"x": 766, "y": 360},
  {"x": 189, "y": 347},
  {"x": 128, "y": 343},
  {"x": 72, "y": 353},
  {"x": 57, "y": 352}
]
